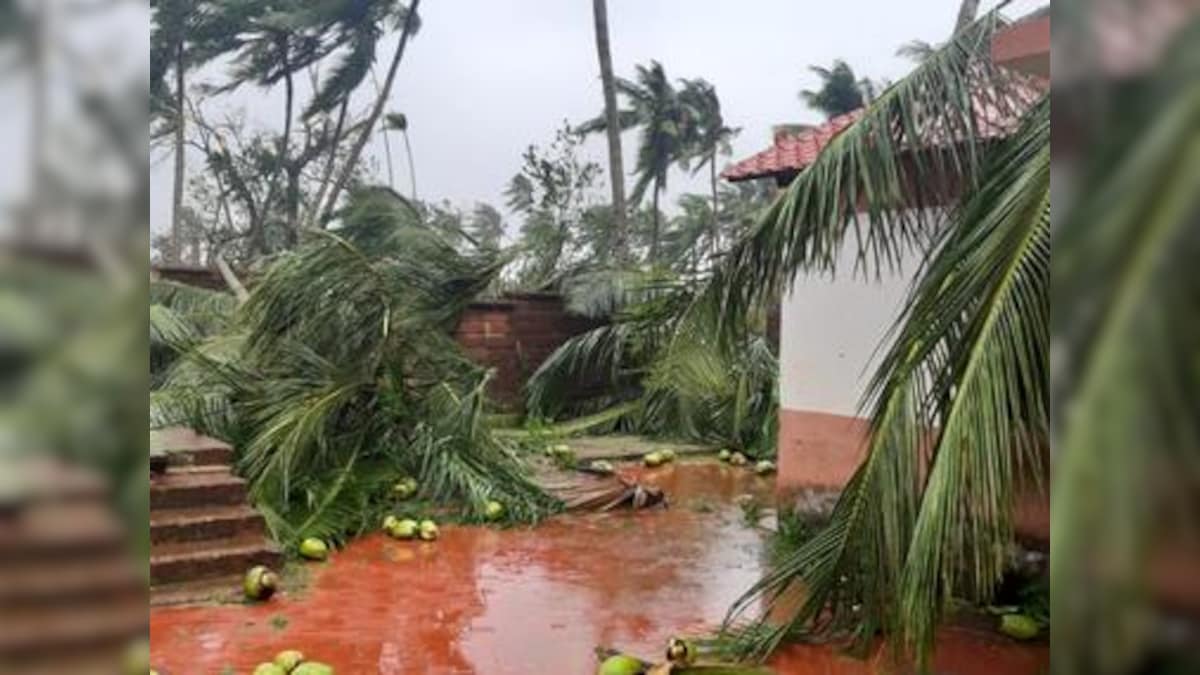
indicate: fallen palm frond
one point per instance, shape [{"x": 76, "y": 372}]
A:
[
  {"x": 338, "y": 376},
  {"x": 607, "y": 494},
  {"x": 668, "y": 374}
]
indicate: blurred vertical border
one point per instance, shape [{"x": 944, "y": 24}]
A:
[{"x": 1125, "y": 555}]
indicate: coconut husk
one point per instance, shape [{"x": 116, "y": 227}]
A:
[{"x": 610, "y": 493}]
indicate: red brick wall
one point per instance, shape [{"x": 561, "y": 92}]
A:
[{"x": 514, "y": 335}]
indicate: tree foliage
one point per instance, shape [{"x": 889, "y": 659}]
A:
[
  {"x": 339, "y": 375},
  {"x": 959, "y": 403}
]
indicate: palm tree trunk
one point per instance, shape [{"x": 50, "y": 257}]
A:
[
  {"x": 716, "y": 221},
  {"x": 327, "y": 173},
  {"x": 412, "y": 167},
  {"x": 616, "y": 169},
  {"x": 376, "y": 112},
  {"x": 180, "y": 167},
  {"x": 654, "y": 228},
  {"x": 966, "y": 14},
  {"x": 292, "y": 189}
]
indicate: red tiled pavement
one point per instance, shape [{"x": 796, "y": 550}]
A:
[{"x": 523, "y": 600}]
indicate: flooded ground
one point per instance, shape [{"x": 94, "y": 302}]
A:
[{"x": 529, "y": 601}]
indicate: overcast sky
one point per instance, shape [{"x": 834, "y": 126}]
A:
[{"x": 484, "y": 79}]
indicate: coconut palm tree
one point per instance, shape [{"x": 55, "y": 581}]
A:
[
  {"x": 399, "y": 122},
  {"x": 959, "y": 404},
  {"x": 708, "y": 136},
  {"x": 839, "y": 92},
  {"x": 655, "y": 109},
  {"x": 616, "y": 163},
  {"x": 185, "y": 35}
]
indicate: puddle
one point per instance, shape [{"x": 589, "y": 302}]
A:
[{"x": 527, "y": 600}]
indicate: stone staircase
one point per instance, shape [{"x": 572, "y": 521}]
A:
[
  {"x": 203, "y": 533},
  {"x": 72, "y": 598}
]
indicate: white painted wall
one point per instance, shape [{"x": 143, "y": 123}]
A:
[{"x": 830, "y": 333}]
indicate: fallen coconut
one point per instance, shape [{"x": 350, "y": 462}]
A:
[
  {"x": 269, "y": 669},
  {"x": 404, "y": 529},
  {"x": 1019, "y": 626},
  {"x": 764, "y": 468},
  {"x": 668, "y": 454},
  {"x": 405, "y": 488},
  {"x": 313, "y": 668},
  {"x": 137, "y": 657},
  {"x": 602, "y": 466},
  {"x": 738, "y": 459},
  {"x": 493, "y": 510},
  {"x": 680, "y": 652},
  {"x": 428, "y": 530},
  {"x": 314, "y": 549},
  {"x": 652, "y": 459},
  {"x": 260, "y": 583},
  {"x": 620, "y": 664},
  {"x": 289, "y": 659},
  {"x": 389, "y": 523},
  {"x": 724, "y": 455}
]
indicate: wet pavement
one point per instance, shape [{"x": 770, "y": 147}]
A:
[{"x": 523, "y": 601}]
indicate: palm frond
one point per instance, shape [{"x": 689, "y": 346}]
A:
[
  {"x": 960, "y": 396},
  {"x": 339, "y": 375},
  {"x": 1126, "y": 375}
]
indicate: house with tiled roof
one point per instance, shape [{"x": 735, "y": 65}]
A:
[{"x": 831, "y": 327}]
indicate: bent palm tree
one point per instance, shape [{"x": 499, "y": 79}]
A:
[
  {"x": 656, "y": 110},
  {"x": 708, "y": 137},
  {"x": 839, "y": 93},
  {"x": 960, "y": 401}
]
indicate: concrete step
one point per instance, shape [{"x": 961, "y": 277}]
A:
[
  {"x": 73, "y": 582},
  {"x": 189, "y": 561},
  {"x": 223, "y": 589},
  {"x": 204, "y": 523},
  {"x": 55, "y": 530},
  {"x": 34, "y": 632},
  {"x": 181, "y": 488},
  {"x": 184, "y": 447}
]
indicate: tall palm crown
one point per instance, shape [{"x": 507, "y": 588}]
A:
[
  {"x": 840, "y": 90},
  {"x": 707, "y": 137},
  {"x": 655, "y": 109}
]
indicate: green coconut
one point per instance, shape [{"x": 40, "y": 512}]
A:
[
  {"x": 738, "y": 459},
  {"x": 405, "y": 488},
  {"x": 652, "y": 459},
  {"x": 620, "y": 664},
  {"x": 313, "y": 668},
  {"x": 314, "y": 549},
  {"x": 493, "y": 510},
  {"x": 724, "y": 455},
  {"x": 668, "y": 454},
  {"x": 404, "y": 529},
  {"x": 137, "y": 658},
  {"x": 289, "y": 659},
  {"x": 269, "y": 669},
  {"x": 1019, "y": 626},
  {"x": 764, "y": 468},
  {"x": 428, "y": 530},
  {"x": 389, "y": 523},
  {"x": 260, "y": 583}
]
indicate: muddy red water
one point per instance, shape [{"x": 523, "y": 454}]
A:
[{"x": 530, "y": 601}]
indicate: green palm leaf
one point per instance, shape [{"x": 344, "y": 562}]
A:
[{"x": 961, "y": 395}]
